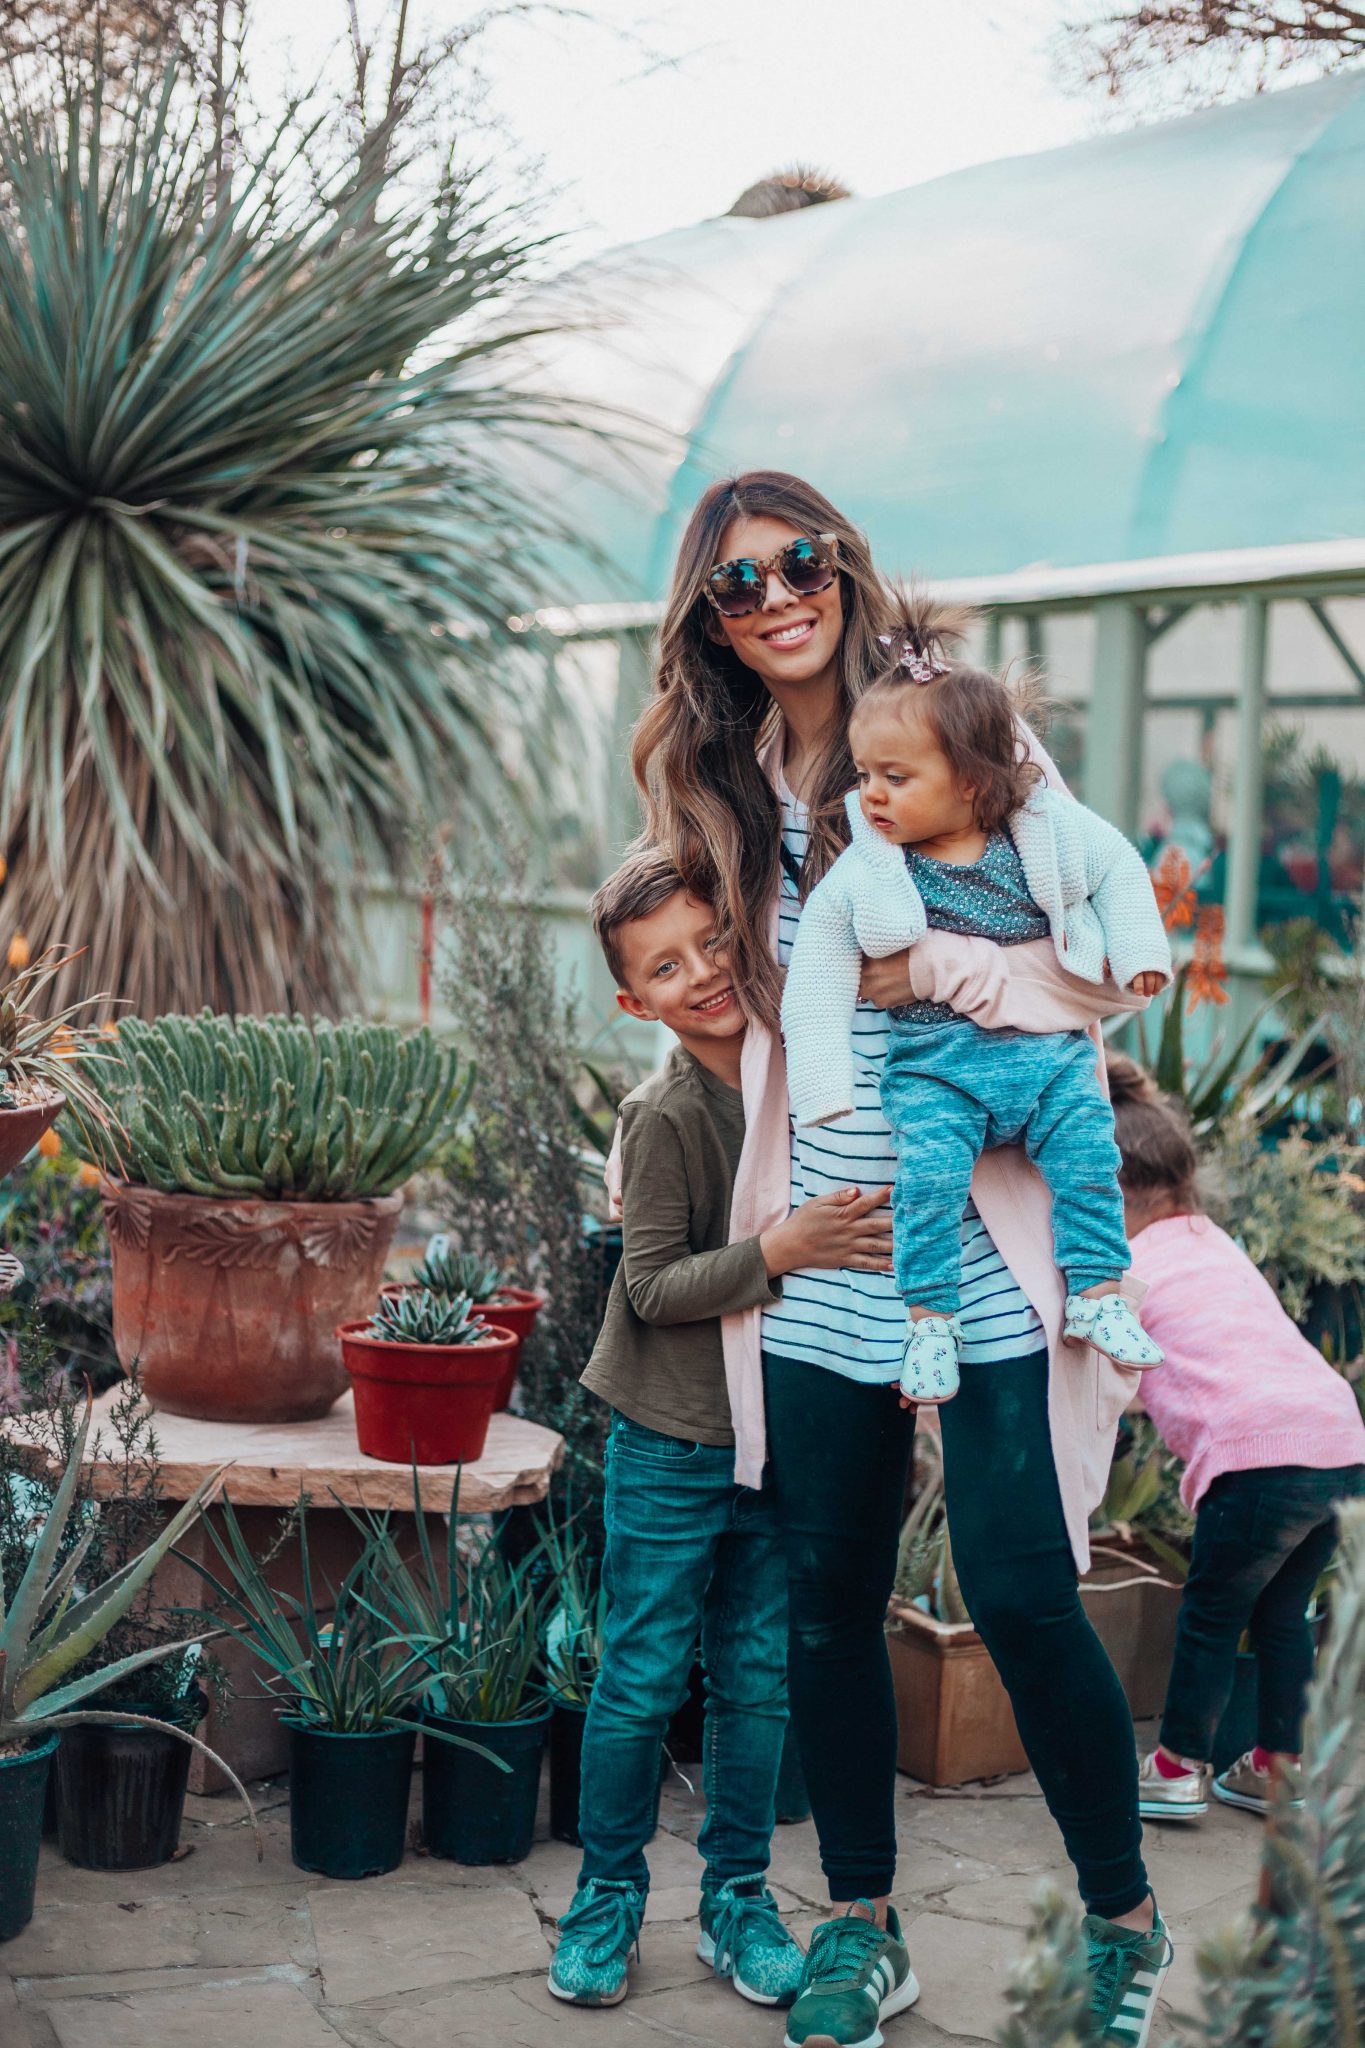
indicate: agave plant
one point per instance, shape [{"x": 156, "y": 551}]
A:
[
  {"x": 419, "y": 1316},
  {"x": 271, "y": 1106},
  {"x": 50, "y": 1623},
  {"x": 259, "y": 544},
  {"x": 449, "y": 1272},
  {"x": 42, "y": 1056},
  {"x": 575, "y": 1620}
]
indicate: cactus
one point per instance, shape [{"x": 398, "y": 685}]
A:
[
  {"x": 277, "y": 1107},
  {"x": 448, "y": 1272},
  {"x": 421, "y": 1317}
]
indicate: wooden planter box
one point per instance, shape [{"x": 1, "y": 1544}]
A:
[
  {"x": 956, "y": 1722},
  {"x": 1136, "y": 1623}
]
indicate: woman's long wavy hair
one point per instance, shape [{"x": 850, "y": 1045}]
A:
[{"x": 707, "y": 802}]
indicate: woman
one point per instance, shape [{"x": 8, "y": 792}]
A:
[{"x": 742, "y": 757}]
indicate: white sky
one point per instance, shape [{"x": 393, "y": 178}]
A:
[{"x": 884, "y": 93}]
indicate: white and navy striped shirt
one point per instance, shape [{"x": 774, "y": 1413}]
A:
[{"x": 855, "y": 1322}]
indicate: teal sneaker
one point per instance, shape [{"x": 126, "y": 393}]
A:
[
  {"x": 1126, "y": 1973},
  {"x": 596, "y": 1937},
  {"x": 857, "y": 1974},
  {"x": 742, "y": 1938}
]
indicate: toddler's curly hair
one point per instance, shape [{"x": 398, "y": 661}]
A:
[{"x": 973, "y": 714}]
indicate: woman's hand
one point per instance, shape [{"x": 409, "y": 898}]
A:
[
  {"x": 886, "y": 982},
  {"x": 846, "y": 1229}
]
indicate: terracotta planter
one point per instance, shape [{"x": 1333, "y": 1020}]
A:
[
  {"x": 956, "y": 1721},
  {"x": 512, "y": 1308},
  {"x": 428, "y": 1403},
  {"x": 231, "y": 1307},
  {"x": 20, "y": 1129},
  {"x": 1134, "y": 1615}
]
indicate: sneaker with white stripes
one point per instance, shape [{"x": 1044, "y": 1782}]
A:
[
  {"x": 857, "y": 1974},
  {"x": 1126, "y": 1973}
]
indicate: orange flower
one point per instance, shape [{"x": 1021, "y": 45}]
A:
[
  {"x": 1207, "y": 975},
  {"x": 50, "y": 1145},
  {"x": 19, "y": 954},
  {"x": 1172, "y": 883},
  {"x": 4, "y": 867},
  {"x": 87, "y": 1176},
  {"x": 109, "y": 1030}
]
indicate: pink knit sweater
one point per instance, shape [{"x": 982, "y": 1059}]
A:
[{"x": 1240, "y": 1388}]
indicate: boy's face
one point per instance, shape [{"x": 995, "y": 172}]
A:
[{"x": 674, "y": 973}]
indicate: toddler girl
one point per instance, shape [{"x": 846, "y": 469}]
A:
[
  {"x": 1272, "y": 1440},
  {"x": 952, "y": 829}
]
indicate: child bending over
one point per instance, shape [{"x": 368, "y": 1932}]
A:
[
  {"x": 1272, "y": 1440},
  {"x": 952, "y": 829}
]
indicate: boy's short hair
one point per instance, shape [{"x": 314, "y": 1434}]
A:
[{"x": 645, "y": 880}]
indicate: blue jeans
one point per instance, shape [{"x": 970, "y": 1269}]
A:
[
  {"x": 1261, "y": 1541},
  {"x": 689, "y": 1554},
  {"x": 950, "y": 1092}
]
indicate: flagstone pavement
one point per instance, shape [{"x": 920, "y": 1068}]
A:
[{"x": 218, "y": 1950}]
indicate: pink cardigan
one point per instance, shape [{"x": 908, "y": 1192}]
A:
[{"x": 1241, "y": 1388}]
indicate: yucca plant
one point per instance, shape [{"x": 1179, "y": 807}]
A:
[
  {"x": 575, "y": 1615},
  {"x": 276, "y": 1106},
  {"x": 418, "y": 1316},
  {"x": 474, "y": 1620},
  {"x": 259, "y": 544},
  {"x": 345, "y": 1674},
  {"x": 50, "y": 1623},
  {"x": 450, "y": 1272}
]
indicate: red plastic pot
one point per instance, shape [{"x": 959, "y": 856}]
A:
[
  {"x": 431, "y": 1403},
  {"x": 512, "y": 1308}
]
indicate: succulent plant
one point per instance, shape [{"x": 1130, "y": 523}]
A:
[
  {"x": 447, "y": 1272},
  {"x": 421, "y": 1317},
  {"x": 50, "y": 1623},
  {"x": 43, "y": 1055},
  {"x": 276, "y": 1106}
]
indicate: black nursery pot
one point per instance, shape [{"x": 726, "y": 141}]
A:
[
  {"x": 348, "y": 1799},
  {"x": 471, "y": 1811},
  {"x": 567, "y": 1723},
  {"x": 121, "y": 1791},
  {"x": 23, "y": 1781}
]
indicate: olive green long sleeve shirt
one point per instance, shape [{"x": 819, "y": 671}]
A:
[{"x": 658, "y": 1356}]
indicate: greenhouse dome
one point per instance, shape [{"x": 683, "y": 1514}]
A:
[{"x": 1142, "y": 346}]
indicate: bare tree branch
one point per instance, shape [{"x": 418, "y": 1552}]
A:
[{"x": 1206, "y": 49}]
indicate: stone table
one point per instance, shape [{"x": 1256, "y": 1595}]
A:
[{"x": 268, "y": 1466}]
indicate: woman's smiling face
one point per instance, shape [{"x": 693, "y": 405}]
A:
[{"x": 789, "y": 640}]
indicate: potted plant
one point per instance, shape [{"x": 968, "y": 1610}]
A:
[
  {"x": 475, "y": 1622},
  {"x": 258, "y": 1197},
  {"x": 495, "y": 1299},
  {"x": 954, "y": 1715},
  {"x": 575, "y": 1623},
  {"x": 40, "y": 1063},
  {"x": 349, "y": 1689},
  {"x": 1140, "y": 1539},
  {"x": 50, "y": 1623},
  {"x": 425, "y": 1370}
]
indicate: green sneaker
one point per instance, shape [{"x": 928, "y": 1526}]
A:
[
  {"x": 596, "y": 1937},
  {"x": 856, "y": 1975},
  {"x": 742, "y": 1938},
  {"x": 1126, "y": 1973}
]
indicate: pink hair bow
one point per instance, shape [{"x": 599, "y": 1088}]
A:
[{"x": 920, "y": 667}]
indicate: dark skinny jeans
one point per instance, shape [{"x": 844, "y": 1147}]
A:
[
  {"x": 839, "y": 1454},
  {"x": 1261, "y": 1541}
]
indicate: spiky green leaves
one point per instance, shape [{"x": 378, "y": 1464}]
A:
[
  {"x": 421, "y": 1317},
  {"x": 278, "y": 1107},
  {"x": 449, "y": 1272}
]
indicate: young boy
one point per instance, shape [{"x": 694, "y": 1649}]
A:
[{"x": 688, "y": 1551}]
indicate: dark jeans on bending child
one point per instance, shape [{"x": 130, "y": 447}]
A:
[{"x": 1261, "y": 1541}]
